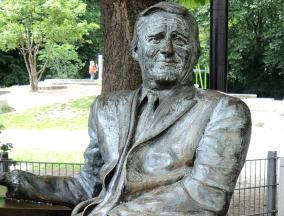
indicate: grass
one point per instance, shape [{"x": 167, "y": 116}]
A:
[
  {"x": 72, "y": 115},
  {"x": 44, "y": 155},
  {"x": 2, "y": 191}
]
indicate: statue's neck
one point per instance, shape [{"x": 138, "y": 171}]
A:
[{"x": 156, "y": 86}]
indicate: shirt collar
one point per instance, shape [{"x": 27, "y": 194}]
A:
[{"x": 161, "y": 94}]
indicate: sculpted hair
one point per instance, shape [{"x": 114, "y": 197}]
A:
[{"x": 177, "y": 9}]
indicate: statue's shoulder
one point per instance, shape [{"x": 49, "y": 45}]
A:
[
  {"x": 220, "y": 98},
  {"x": 115, "y": 98}
]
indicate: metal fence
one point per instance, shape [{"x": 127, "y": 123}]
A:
[
  {"x": 255, "y": 192},
  {"x": 256, "y": 189},
  {"x": 42, "y": 168},
  {"x": 201, "y": 76}
]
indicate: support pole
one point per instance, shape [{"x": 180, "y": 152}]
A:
[
  {"x": 271, "y": 183},
  {"x": 101, "y": 62},
  {"x": 218, "y": 44},
  {"x": 4, "y": 166},
  {"x": 281, "y": 188}
]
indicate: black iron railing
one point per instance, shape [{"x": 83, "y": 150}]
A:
[{"x": 255, "y": 192}]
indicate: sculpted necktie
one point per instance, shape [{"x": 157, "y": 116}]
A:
[
  {"x": 147, "y": 113},
  {"x": 152, "y": 99}
]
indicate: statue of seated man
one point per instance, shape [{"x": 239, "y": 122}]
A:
[{"x": 166, "y": 148}]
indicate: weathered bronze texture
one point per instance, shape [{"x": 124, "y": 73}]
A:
[{"x": 166, "y": 148}]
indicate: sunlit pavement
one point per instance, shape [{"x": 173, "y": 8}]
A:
[{"x": 268, "y": 127}]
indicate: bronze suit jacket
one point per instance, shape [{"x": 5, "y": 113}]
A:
[{"x": 185, "y": 162}]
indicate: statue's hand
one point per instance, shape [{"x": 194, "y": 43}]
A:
[{"x": 11, "y": 181}]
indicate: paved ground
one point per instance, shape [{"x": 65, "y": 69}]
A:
[
  {"x": 20, "y": 97},
  {"x": 268, "y": 127},
  {"x": 267, "y": 116}
]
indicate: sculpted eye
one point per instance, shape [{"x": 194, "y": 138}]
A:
[
  {"x": 156, "y": 38},
  {"x": 179, "y": 40}
]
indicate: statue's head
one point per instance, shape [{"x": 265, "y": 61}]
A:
[{"x": 166, "y": 45}]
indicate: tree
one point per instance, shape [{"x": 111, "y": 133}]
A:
[
  {"x": 256, "y": 47},
  {"x": 64, "y": 61},
  {"x": 30, "y": 25}
]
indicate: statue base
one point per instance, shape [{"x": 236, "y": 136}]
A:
[{"x": 23, "y": 208}]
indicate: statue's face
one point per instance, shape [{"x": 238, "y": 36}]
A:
[{"x": 164, "y": 50}]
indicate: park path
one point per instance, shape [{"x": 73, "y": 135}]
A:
[
  {"x": 267, "y": 120},
  {"x": 20, "y": 97}
]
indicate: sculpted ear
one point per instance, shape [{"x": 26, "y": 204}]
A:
[{"x": 134, "y": 53}]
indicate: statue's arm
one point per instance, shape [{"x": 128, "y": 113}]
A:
[
  {"x": 62, "y": 190},
  {"x": 220, "y": 156}
]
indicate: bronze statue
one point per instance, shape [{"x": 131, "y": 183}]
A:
[{"x": 166, "y": 148}]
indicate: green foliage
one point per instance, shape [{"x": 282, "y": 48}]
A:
[
  {"x": 41, "y": 21},
  {"x": 12, "y": 69},
  {"x": 6, "y": 147},
  {"x": 256, "y": 47},
  {"x": 192, "y": 3},
  {"x": 202, "y": 15},
  {"x": 64, "y": 61},
  {"x": 65, "y": 116},
  {"x": 94, "y": 41},
  {"x": 29, "y": 25}
]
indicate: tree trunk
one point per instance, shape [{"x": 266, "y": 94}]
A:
[
  {"x": 118, "y": 17},
  {"x": 34, "y": 81},
  {"x": 30, "y": 54},
  {"x": 33, "y": 73}
]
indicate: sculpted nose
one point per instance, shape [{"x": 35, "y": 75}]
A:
[{"x": 167, "y": 49}]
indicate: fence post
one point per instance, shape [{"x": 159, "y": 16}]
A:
[
  {"x": 271, "y": 183},
  {"x": 4, "y": 157},
  {"x": 281, "y": 188}
]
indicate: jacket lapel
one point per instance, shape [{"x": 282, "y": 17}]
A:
[
  {"x": 170, "y": 110},
  {"x": 126, "y": 112},
  {"x": 127, "y": 120}
]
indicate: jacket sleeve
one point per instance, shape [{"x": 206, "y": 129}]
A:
[
  {"x": 220, "y": 156},
  {"x": 62, "y": 190}
]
